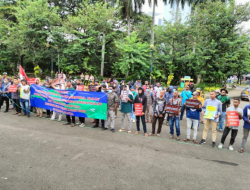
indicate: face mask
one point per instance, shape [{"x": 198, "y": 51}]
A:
[
  {"x": 103, "y": 90},
  {"x": 110, "y": 91},
  {"x": 147, "y": 90}
]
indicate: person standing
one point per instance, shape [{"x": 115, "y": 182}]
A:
[
  {"x": 141, "y": 98},
  {"x": 159, "y": 113},
  {"x": 225, "y": 100},
  {"x": 16, "y": 97},
  {"x": 39, "y": 111},
  {"x": 86, "y": 81},
  {"x": 212, "y": 108},
  {"x": 56, "y": 85},
  {"x": 145, "y": 86},
  {"x": 193, "y": 118},
  {"x": 234, "y": 129},
  {"x": 5, "y": 95},
  {"x": 113, "y": 101},
  {"x": 91, "y": 79},
  {"x": 185, "y": 94},
  {"x": 168, "y": 95},
  {"x": 69, "y": 86},
  {"x": 126, "y": 108},
  {"x": 149, "y": 110},
  {"x": 132, "y": 111},
  {"x": 174, "y": 119},
  {"x": 246, "y": 127},
  {"x": 25, "y": 97},
  {"x": 157, "y": 89},
  {"x": 202, "y": 103},
  {"x": 82, "y": 77}
]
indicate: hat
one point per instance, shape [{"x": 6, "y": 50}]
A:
[
  {"x": 224, "y": 90},
  {"x": 196, "y": 94},
  {"x": 5, "y": 73}
]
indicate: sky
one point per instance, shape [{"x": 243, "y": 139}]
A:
[{"x": 161, "y": 11}]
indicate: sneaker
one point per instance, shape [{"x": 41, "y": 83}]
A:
[
  {"x": 59, "y": 120},
  {"x": 6, "y": 111},
  {"x": 178, "y": 138},
  {"x": 202, "y": 141},
  {"x": 133, "y": 121},
  {"x": 220, "y": 146},
  {"x": 158, "y": 135},
  {"x": 167, "y": 123},
  {"x": 104, "y": 129},
  {"x": 112, "y": 130},
  {"x": 231, "y": 147},
  {"x": 171, "y": 137},
  {"x": 95, "y": 126},
  {"x": 151, "y": 134},
  {"x": 213, "y": 144},
  {"x": 82, "y": 125},
  {"x": 115, "y": 116},
  {"x": 52, "y": 119}
]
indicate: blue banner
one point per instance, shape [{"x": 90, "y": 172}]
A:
[{"x": 70, "y": 102}]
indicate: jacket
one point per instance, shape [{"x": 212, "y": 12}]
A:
[
  {"x": 4, "y": 88},
  {"x": 141, "y": 98},
  {"x": 246, "y": 117},
  {"x": 200, "y": 98}
]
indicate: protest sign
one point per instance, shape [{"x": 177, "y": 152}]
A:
[
  {"x": 31, "y": 81},
  {"x": 210, "y": 112},
  {"x": 80, "y": 87},
  {"x": 172, "y": 109},
  {"x": 60, "y": 76},
  {"x": 233, "y": 119},
  {"x": 191, "y": 103},
  {"x": 138, "y": 109},
  {"x": 70, "y": 102},
  {"x": 12, "y": 88},
  {"x": 92, "y": 88}
]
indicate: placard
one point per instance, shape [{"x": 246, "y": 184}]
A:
[
  {"x": 233, "y": 119},
  {"x": 60, "y": 76},
  {"x": 138, "y": 109},
  {"x": 172, "y": 109},
  {"x": 80, "y": 88},
  {"x": 12, "y": 88},
  {"x": 191, "y": 103},
  {"x": 31, "y": 81},
  {"x": 210, "y": 112}
]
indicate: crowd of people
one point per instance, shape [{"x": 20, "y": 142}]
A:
[{"x": 154, "y": 100}]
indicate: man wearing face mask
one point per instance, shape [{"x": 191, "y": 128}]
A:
[{"x": 113, "y": 101}]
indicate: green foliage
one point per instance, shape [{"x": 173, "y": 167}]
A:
[
  {"x": 134, "y": 57},
  {"x": 37, "y": 71}
]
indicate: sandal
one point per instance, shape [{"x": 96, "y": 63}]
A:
[
  {"x": 241, "y": 150},
  {"x": 195, "y": 141},
  {"x": 137, "y": 132},
  {"x": 19, "y": 114},
  {"x": 185, "y": 140},
  {"x": 15, "y": 113},
  {"x": 37, "y": 115},
  {"x": 145, "y": 134},
  {"x": 121, "y": 130},
  {"x": 129, "y": 132}
]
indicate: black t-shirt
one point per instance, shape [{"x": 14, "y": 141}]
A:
[{"x": 224, "y": 105}]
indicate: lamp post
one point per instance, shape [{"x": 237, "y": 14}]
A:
[{"x": 152, "y": 54}]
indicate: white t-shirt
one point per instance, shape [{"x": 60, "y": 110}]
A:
[
  {"x": 24, "y": 95},
  {"x": 158, "y": 90}
]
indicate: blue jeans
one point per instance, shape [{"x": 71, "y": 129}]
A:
[
  {"x": 174, "y": 120},
  {"x": 182, "y": 111},
  {"x": 143, "y": 123},
  {"x": 25, "y": 106},
  {"x": 132, "y": 113},
  {"x": 222, "y": 120}
]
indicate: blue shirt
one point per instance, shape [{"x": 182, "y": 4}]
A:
[
  {"x": 246, "y": 114},
  {"x": 186, "y": 95},
  {"x": 194, "y": 113},
  {"x": 217, "y": 104}
]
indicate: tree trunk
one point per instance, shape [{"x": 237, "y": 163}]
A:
[
  {"x": 129, "y": 25},
  {"x": 21, "y": 60},
  {"x": 103, "y": 53},
  {"x": 198, "y": 79},
  {"x": 153, "y": 23},
  {"x": 177, "y": 10}
]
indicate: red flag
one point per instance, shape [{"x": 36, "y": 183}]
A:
[{"x": 22, "y": 73}]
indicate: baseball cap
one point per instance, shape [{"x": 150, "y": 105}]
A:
[{"x": 4, "y": 73}]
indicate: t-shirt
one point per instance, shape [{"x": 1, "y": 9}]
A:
[
  {"x": 232, "y": 108},
  {"x": 126, "y": 107},
  {"x": 158, "y": 90},
  {"x": 186, "y": 95},
  {"x": 224, "y": 105},
  {"x": 24, "y": 95}
]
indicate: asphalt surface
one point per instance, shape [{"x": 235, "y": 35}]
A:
[{"x": 42, "y": 155}]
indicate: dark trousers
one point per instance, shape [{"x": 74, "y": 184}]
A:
[
  {"x": 160, "y": 122},
  {"x": 226, "y": 132},
  {"x": 49, "y": 112},
  {"x": 143, "y": 123},
  {"x": 17, "y": 105},
  {"x": 82, "y": 119},
  {"x": 69, "y": 120},
  {"x": 4, "y": 98},
  {"x": 97, "y": 122},
  {"x": 182, "y": 111}
]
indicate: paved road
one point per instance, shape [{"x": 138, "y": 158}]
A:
[{"x": 43, "y": 155}]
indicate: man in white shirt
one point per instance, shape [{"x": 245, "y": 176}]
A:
[
  {"x": 158, "y": 89},
  {"x": 25, "y": 97}
]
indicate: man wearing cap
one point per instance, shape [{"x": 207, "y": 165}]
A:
[
  {"x": 4, "y": 77},
  {"x": 225, "y": 100}
]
